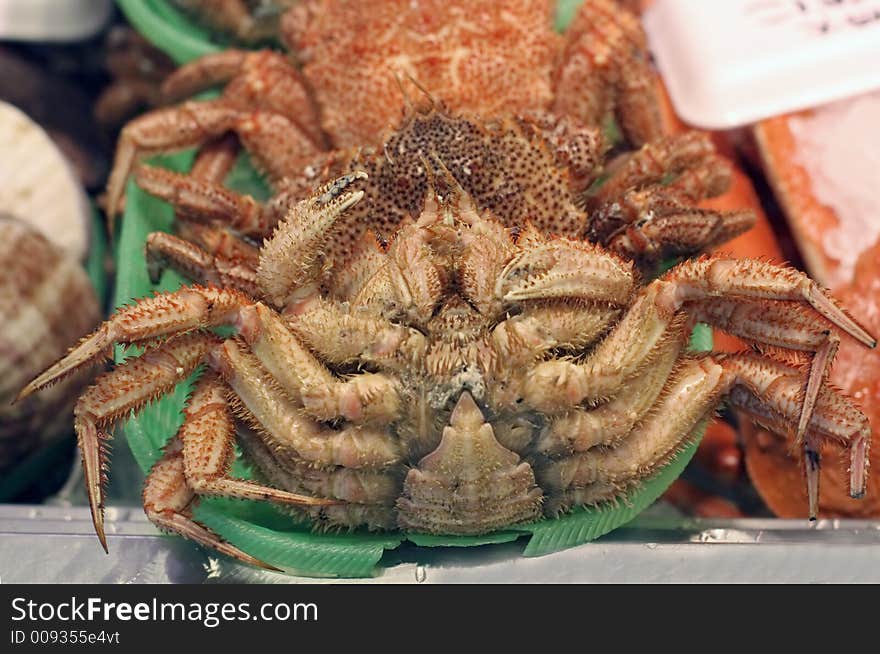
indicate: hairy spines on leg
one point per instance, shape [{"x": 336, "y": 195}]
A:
[
  {"x": 291, "y": 261},
  {"x": 773, "y": 392},
  {"x": 184, "y": 310},
  {"x": 167, "y": 501},
  {"x": 128, "y": 388},
  {"x": 692, "y": 394},
  {"x": 566, "y": 268},
  {"x": 165, "y": 250},
  {"x": 203, "y": 201},
  {"x": 207, "y": 434}
]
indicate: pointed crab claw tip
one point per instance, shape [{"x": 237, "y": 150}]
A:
[
  {"x": 23, "y": 393},
  {"x": 265, "y": 566},
  {"x": 857, "y": 495}
]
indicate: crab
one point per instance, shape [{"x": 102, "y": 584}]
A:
[
  {"x": 463, "y": 363},
  {"x": 351, "y": 67},
  {"x": 447, "y": 326}
]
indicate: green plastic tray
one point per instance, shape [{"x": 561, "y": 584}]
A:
[{"x": 260, "y": 529}]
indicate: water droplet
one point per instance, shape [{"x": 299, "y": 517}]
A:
[
  {"x": 421, "y": 574},
  {"x": 651, "y": 546}
]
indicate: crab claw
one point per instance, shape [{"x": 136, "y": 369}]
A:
[{"x": 566, "y": 268}]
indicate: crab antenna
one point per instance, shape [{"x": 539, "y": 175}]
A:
[
  {"x": 406, "y": 99},
  {"x": 431, "y": 100}
]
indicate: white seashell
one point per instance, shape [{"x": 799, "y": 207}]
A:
[
  {"x": 39, "y": 186},
  {"x": 47, "y": 303}
]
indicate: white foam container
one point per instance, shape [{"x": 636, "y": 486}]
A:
[
  {"x": 728, "y": 63},
  {"x": 53, "y": 20}
]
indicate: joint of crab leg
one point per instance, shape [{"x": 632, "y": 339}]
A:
[
  {"x": 771, "y": 392},
  {"x": 128, "y": 388},
  {"x": 693, "y": 393},
  {"x": 207, "y": 71},
  {"x": 748, "y": 278},
  {"x": 205, "y": 201},
  {"x": 284, "y": 424},
  {"x": 566, "y": 268},
  {"x": 207, "y": 435},
  {"x": 168, "y": 500},
  {"x": 164, "y": 130},
  {"x": 366, "y": 397},
  {"x": 166, "y": 250}
]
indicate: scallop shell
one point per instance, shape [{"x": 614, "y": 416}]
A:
[
  {"x": 39, "y": 186},
  {"x": 46, "y": 303}
]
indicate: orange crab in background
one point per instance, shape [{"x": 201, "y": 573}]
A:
[
  {"x": 491, "y": 289},
  {"x": 352, "y": 68}
]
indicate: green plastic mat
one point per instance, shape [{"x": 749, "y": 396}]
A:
[{"x": 260, "y": 529}]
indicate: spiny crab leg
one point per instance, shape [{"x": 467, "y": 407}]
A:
[
  {"x": 365, "y": 397},
  {"x": 720, "y": 277},
  {"x": 763, "y": 387},
  {"x": 565, "y": 267},
  {"x": 691, "y": 155},
  {"x": 708, "y": 277},
  {"x": 263, "y": 78},
  {"x": 167, "y": 501},
  {"x": 164, "y": 250},
  {"x": 287, "y": 428},
  {"x": 278, "y": 145},
  {"x": 187, "y": 309},
  {"x": 196, "y": 462},
  {"x": 370, "y": 338},
  {"x": 772, "y": 391},
  {"x": 205, "y": 201},
  {"x": 208, "y": 434},
  {"x": 128, "y": 388},
  {"x": 779, "y": 325}
]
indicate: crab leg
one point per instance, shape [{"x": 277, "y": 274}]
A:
[
  {"x": 691, "y": 395},
  {"x": 164, "y": 250},
  {"x": 368, "y": 337},
  {"x": 263, "y": 79},
  {"x": 365, "y": 397},
  {"x": 566, "y": 268},
  {"x": 367, "y": 487},
  {"x": 582, "y": 429},
  {"x": 215, "y": 159},
  {"x": 551, "y": 384},
  {"x": 206, "y": 201},
  {"x": 691, "y": 156},
  {"x": 167, "y": 501},
  {"x": 116, "y": 394},
  {"x": 279, "y": 147},
  {"x": 282, "y": 422},
  {"x": 656, "y": 223},
  {"x": 187, "y": 309},
  {"x": 774, "y": 396},
  {"x": 603, "y": 69},
  {"x": 218, "y": 240},
  {"x": 208, "y": 434},
  {"x": 544, "y": 325}
]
